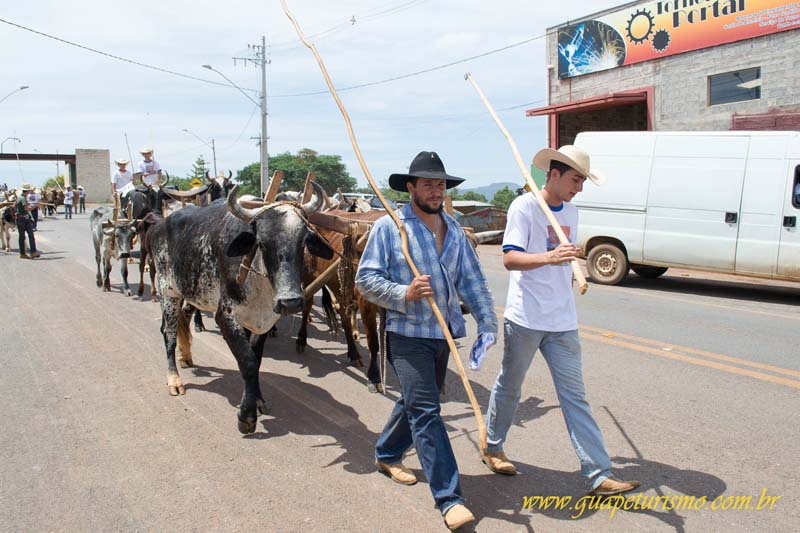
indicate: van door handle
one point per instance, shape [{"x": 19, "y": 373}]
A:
[
  {"x": 789, "y": 222},
  {"x": 730, "y": 217}
]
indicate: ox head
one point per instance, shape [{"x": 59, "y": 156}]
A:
[
  {"x": 280, "y": 231},
  {"x": 216, "y": 189},
  {"x": 123, "y": 232}
]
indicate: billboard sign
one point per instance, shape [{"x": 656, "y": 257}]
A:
[{"x": 651, "y": 30}]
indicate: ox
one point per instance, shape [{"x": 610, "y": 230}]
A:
[
  {"x": 217, "y": 189},
  {"x": 111, "y": 239},
  {"x": 198, "y": 256},
  {"x": 337, "y": 285},
  {"x": 7, "y": 222}
]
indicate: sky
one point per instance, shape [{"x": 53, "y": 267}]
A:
[{"x": 83, "y": 99}]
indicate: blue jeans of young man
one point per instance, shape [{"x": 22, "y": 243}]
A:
[
  {"x": 67, "y": 211},
  {"x": 421, "y": 365},
  {"x": 25, "y": 227},
  {"x": 562, "y": 352}
]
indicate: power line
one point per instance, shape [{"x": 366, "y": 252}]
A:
[
  {"x": 118, "y": 58},
  {"x": 292, "y": 95}
]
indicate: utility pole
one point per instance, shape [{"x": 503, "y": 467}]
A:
[
  {"x": 214, "y": 153},
  {"x": 259, "y": 59}
]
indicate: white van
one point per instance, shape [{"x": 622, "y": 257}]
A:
[{"x": 718, "y": 201}]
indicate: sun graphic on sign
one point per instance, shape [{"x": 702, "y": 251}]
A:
[{"x": 640, "y": 26}]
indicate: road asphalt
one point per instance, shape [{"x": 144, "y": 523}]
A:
[{"x": 693, "y": 378}]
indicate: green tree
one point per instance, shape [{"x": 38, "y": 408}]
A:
[
  {"x": 56, "y": 182},
  {"x": 503, "y": 198},
  {"x": 473, "y": 196},
  {"x": 198, "y": 171},
  {"x": 330, "y": 171}
]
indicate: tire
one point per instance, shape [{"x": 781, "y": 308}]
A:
[
  {"x": 607, "y": 264},
  {"x": 649, "y": 272}
]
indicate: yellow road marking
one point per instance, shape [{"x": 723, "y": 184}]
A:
[{"x": 670, "y": 351}]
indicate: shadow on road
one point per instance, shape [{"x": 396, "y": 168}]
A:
[{"x": 738, "y": 290}]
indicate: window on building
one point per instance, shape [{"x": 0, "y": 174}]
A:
[
  {"x": 735, "y": 86},
  {"x": 796, "y": 188}
]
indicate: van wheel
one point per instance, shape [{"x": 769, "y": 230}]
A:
[
  {"x": 649, "y": 272},
  {"x": 607, "y": 264}
]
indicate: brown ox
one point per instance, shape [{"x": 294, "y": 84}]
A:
[{"x": 314, "y": 267}]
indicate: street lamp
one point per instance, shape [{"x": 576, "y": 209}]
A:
[
  {"x": 264, "y": 156},
  {"x": 8, "y": 139},
  {"x": 213, "y": 148},
  {"x": 21, "y": 88}
]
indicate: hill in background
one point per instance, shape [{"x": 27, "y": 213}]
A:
[{"x": 489, "y": 190}]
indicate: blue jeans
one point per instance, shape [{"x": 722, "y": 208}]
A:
[
  {"x": 67, "y": 211},
  {"x": 562, "y": 351},
  {"x": 421, "y": 365},
  {"x": 25, "y": 227}
]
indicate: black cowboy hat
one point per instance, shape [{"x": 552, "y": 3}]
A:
[{"x": 425, "y": 165}]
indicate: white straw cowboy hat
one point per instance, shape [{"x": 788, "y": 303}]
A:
[
  {"x": 121, "y": 161},
  {"x": 147, "y": 150},
  {"x": 26, "y": 187},
  {"x": 573, "y": 157}
]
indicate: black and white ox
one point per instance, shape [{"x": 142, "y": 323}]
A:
[
  {"x": 7, "y": 223},
  {"x": 199, "y": 252},
  {"x": 220, "y": 186},
  {"x": 111, "y": 239}
]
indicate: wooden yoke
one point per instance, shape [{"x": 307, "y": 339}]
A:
[
  {"x": 576, "y": 269},
  {"x": 308, "y": 190},
  {"x": 403, "y": 237}
]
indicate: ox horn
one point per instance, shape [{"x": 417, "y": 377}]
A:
[
  {"x": 208, "y": 179},
  {"x": 230, "y": 174},
  {"x": 483, "y": 237},
  {"x": 243, "y": 213},
  {"x": 313, "y": 205},
  {"x": 165, "y": 182}
]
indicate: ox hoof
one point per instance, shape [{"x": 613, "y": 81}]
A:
[
  {"x": 106, "y": 289},
  {"x": 263, "y": 407},
  {"x": 186, "y": 363},
  {"x": 247, "y": 427},
  {"x": 300, "y": 346},
  {"x": 199, "y": 329},
  {"x": 128, "y": 293},
  {"x": 99, "y": 283},
  {"x": 358, "y": 363},
  {"x": 375, "y": 387},
  {"x": 177, "y": 390}
]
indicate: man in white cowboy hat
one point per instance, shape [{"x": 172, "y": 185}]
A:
[
  {"x": 151, "y": 173},
  {"x": 416, "y": 345},
  {"x": 121, "y": 182},
  {"x": 540, "y": 315},
  {"x": 22, "y": 210}
]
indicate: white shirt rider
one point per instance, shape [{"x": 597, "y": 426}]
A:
[{"x": 150, "y": 171}]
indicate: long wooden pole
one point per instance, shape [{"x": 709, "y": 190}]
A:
[
  {"x": 403, "y": 237},
  {"x": 576, "y": 269}
]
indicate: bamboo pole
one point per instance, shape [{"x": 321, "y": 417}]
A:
[
  {"x": 403, "y": 237},
  {"x": 576, "y": 269}
]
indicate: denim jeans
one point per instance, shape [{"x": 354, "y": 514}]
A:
[
  {"x": 67, "y": 211},
  {"x": 562, "y": 352},
  {"x": 421, "y": 365},
  {"x": 25, "y": 227}
]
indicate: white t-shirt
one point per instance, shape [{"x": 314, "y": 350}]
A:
[
  {"x": 149, "y": 166},
  {"x": 121, "y": 179},
  {"x": 68, "y": 196},
  {"x": 542, "y": 298},
  {"x": 33, "y": 199}
]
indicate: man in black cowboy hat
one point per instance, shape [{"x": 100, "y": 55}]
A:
[{"x": 416, "y": 345}]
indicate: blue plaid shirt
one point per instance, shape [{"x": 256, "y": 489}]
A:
[{"x": 384, "y": 275}]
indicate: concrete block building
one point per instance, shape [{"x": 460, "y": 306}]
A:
[{"x": 675, "y": 65}]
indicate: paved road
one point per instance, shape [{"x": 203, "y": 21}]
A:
[{"x": 694, "y": 380}]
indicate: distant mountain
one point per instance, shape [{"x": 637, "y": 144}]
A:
[{"x": 489, "y": 190}]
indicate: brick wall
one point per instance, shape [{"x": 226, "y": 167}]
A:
[
  {"x": 681, "y": 81},
  {"x": 92, "y": 170}
]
